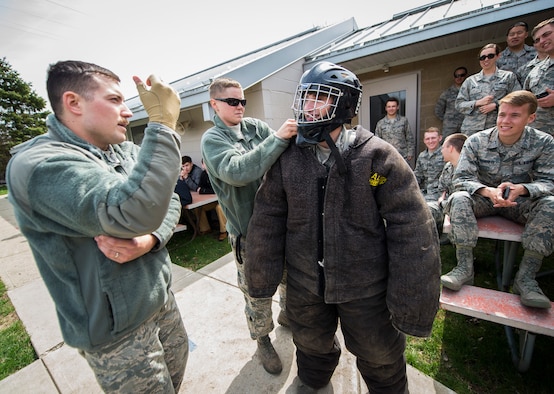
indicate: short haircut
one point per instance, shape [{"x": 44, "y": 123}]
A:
[
  {"x": 520, "y": 23},
  {"x": 220, "y": 84},
  {"x": 541, "y": 25},
  {"x": 456, "y": 140},
  {"x": 519, "y": 98},
  {"x": 186, "y": 159},
  {"x": 73, "y": 76},
  {"x": 433, "y": 129},
  {"x": 393, "y": 99}
]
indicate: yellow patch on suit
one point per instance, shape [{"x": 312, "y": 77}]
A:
[{"x": 376, "y": 179}]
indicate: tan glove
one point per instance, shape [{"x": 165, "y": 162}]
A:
[{"x": 161, "y": 102}]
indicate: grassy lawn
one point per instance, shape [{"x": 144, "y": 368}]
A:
[
  {"x": 466, "y": 354},
  {"x": 197, "y": 253},
  {"x": 3, "y": 190},
  {"x": 16, "y": 350}
]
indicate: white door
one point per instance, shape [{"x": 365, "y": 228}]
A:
[{"x": 375, "y": 94}]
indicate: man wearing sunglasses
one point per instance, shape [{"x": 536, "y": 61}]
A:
[
  {"x": 237, "y": 152},
  {"x": 445, "y": 108}
]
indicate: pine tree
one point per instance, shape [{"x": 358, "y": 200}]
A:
[{"x": 22, "y": 112}]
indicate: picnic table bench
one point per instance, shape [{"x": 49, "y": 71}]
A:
[{"x": 500, "y": 306}]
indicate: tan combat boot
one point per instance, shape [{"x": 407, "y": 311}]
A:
[
  {"x": 525, "y": 284},
  {"x": 462, "y": 274},
  {"x": 270, "y": 359}
]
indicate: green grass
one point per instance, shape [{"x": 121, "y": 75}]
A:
[
  {"x": 3, "y": 190},
  {"x": 197, "y": 253},
  {"x": 16, "y": 350}
]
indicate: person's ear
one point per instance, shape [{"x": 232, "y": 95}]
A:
[
  {"x": 213, "y": 103},
  {"x": 72, "y": 102}
]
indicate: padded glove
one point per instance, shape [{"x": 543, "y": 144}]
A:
[{"x": 161, "y": 102}]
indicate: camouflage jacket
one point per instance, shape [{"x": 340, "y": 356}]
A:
[
  {"x": 427, "y": 171},
  {"x": 478, "y": 86},
  {"x": 397, "y": 132},
  {"x": 445, "y": 110},
  {"x": 511, "y": 61},
  {"x": 485, "y": 161},
  {"x": 540, "y": 78}
]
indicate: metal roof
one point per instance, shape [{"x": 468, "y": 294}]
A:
[
  {"x": 252, "y": 67},
  {"x": 432, "y": 30}
]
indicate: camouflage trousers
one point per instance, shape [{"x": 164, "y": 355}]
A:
[
  {"x": 438, "y": 215},
  {"x": 257, "y": 310},
  {"x": 537, "y": 214},
  {"x": 150, "y": 359}
]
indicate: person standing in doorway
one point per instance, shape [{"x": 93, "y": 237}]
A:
[{"x": 395, "y": 129}]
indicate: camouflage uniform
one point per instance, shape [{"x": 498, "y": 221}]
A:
[
  {"x": 397, "y": 132},
  {"x": 446, "y": 111},
  {"x": 524, "y": 70},
  {"x": 484, "y": 161},
  {"x": 540, "y": 78},
  {"x": 511, "y": 61},
  {"x": 258, "y": 310},
  {"x": 427, "y": 171},
  {"x": 162, "y": 344},
  {"x": 478, "y": 86},
  {"x": 445, "y": 184}
]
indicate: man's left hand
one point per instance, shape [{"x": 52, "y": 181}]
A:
[{"x": 123, "y": 250}]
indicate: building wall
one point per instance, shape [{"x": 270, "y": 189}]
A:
[{"x": 436, "y": 76}]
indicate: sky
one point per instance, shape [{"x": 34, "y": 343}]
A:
[{"x": 170, "y": 38}]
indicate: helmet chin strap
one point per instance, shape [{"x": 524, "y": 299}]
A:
[{"x": 335, "y": 152}]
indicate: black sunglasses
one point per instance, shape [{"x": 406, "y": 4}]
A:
[
  {"x": 233, "y": 102},
  {"x": 459, "y": 75},
  {"x": 489, "y": 56}
]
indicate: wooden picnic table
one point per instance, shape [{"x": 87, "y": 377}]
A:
[{"x": 192, "y": 211}]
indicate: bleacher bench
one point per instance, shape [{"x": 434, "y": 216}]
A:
[{"x": 500, "y": 306}]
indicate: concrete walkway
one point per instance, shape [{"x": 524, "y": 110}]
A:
[{"x": 222, "y": 356}]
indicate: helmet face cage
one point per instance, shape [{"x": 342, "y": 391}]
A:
[{"x": 323, "y": 102}]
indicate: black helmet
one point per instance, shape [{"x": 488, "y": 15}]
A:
[{"x": 329, "y": 84}]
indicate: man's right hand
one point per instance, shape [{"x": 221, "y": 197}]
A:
[
  {"x": 288, "y": 129},
  {"x": 161, "y": 102}
]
